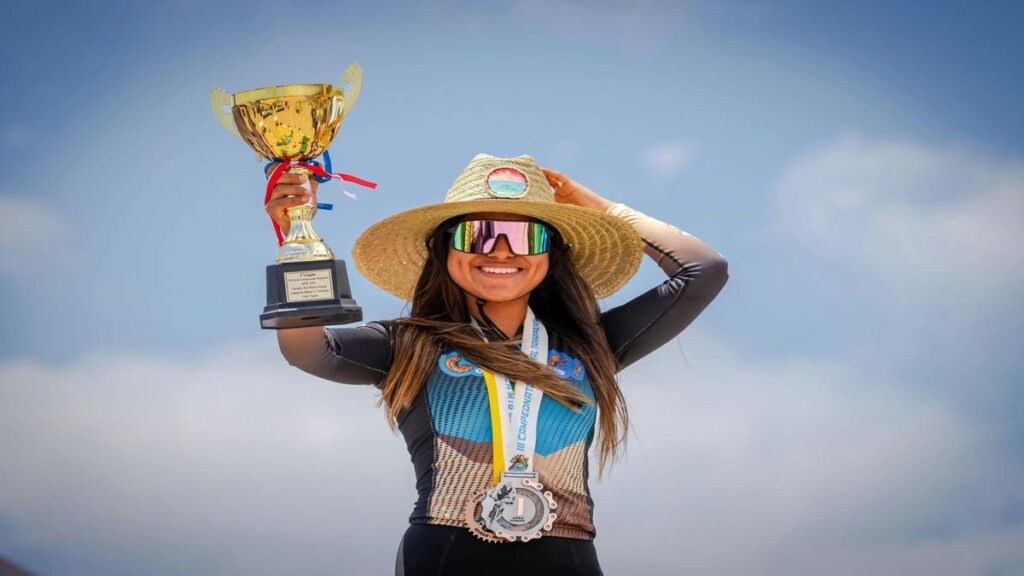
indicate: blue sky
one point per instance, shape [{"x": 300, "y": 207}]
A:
[{"x": 859, "y": 165}]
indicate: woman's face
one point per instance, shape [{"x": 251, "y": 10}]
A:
[{"x": 486, "y": 276}]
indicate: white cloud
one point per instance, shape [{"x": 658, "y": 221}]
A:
[
  {"x": 666, "y": 159},
  {"x": 31, "y": 236},
  {"x": 941, "y": 219},
  {"x": 230, "y": 464},
  {"x": 800, "y": 468},
  {"x": 236, "y": 463}
]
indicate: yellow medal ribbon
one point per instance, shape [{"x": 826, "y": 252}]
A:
[{"x": 498, "y": 442}]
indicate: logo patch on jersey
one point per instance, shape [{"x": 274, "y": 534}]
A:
[
  {"x": 566, "y": 366},
  {"x": 453, "y": 364}
]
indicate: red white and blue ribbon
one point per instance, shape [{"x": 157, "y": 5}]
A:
[{"x": 315, "y": 169}]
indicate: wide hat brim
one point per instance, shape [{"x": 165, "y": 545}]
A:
[{"x": 606, "y": 250}]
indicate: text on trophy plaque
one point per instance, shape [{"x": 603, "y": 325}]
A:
[{"x": 309, "y": 285}]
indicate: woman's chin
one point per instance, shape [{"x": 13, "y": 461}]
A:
[
  {"x": 500, "y": 293},
  {"x": 499, "y": 297}
]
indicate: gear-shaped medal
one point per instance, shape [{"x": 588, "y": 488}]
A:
[{"x": 517, "y": 508}]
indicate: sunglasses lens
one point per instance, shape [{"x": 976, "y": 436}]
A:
[{"x": 480, "y": 236}]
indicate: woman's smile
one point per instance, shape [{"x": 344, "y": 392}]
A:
[
  {"x": 501, "y": 279},
  {"x": 499, "y": 271}
]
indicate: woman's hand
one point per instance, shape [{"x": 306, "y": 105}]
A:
[
  {"x": 569, "y": 191},
  {"x": 290, "y": 190}
]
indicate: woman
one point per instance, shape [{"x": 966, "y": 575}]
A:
[{"x": 506, "y": 366}]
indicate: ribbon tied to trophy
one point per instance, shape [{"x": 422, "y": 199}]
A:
[{"x": 324, "y": 175}]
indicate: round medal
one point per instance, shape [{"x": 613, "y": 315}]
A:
[{"x": 518, "y": 508}]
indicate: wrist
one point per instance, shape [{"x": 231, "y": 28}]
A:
[
  {"x": 621, "y": 210},
  {"x": 591, "y": 200}
]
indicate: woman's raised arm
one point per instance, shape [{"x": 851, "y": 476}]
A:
[
  {"x": 696, "y": 274},
  {"x": 350, "y": 355},
  {"x": 357, "y": 355}
]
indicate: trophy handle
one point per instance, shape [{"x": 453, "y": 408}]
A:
[
  {"x": 353, "y": 75},
  {"x": 218, "y": 100}
]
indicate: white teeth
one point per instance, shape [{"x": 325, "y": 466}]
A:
[{"x": 499, "y": 270}]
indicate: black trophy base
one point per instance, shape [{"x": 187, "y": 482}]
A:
[{"x": 308, "y": 294}]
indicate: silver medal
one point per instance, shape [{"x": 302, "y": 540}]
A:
[{"x": 518, "y": 508}]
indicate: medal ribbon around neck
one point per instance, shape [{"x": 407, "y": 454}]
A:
[{"x": 514, "y": 408}]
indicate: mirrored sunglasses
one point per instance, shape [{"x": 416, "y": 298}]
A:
[{"x": 479, "y": 236}]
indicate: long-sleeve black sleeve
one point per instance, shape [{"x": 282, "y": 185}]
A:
[
  {"x": 696, "y": 274},
  {"x": 349, "y": 355}
]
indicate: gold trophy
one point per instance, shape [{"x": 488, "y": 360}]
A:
[{"x": 294, "y": 124}]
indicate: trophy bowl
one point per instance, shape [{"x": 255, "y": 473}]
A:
[{"x": 297, "y": 121}]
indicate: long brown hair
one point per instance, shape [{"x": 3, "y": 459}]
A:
[{"x": 564, "y": 303}]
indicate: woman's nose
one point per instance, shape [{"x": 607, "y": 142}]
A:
[{"x": 501, "y": 247}]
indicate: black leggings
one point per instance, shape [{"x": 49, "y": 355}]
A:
[{"x": 432, "y": 550}]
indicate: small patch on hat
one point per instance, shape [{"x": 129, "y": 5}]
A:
[{"x": 506, "y": 183}]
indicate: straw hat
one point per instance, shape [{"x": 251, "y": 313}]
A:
[{"x": 605, "y": 249}]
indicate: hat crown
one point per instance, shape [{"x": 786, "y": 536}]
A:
[{"x": 488, "y": 177}]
